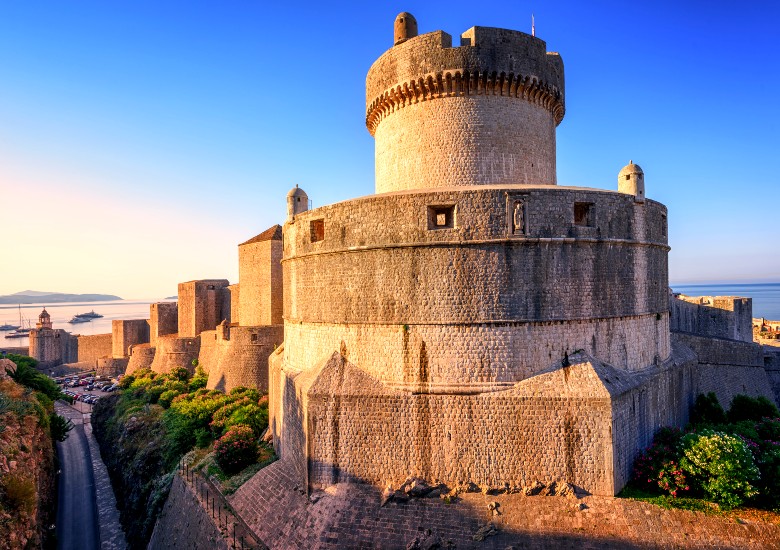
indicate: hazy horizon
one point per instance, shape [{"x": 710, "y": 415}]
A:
[{"x": 140, "y": 142}]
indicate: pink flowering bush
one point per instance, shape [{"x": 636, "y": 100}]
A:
[
  {"x": 658, "y": 467},
  {"x": 237, "y": 449}
]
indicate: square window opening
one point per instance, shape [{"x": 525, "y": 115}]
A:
[
  {"x": 583, "y": 214},
  {"x": 317, "y": 228},
  {"x": 441, "y": 217}
]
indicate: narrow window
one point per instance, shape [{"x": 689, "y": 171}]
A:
[
  {"x": 254, "y": 338},
  {"x": 582, "y": 213},
  {"x": 663, "y": 225},
  {"x": 441, "y": 217},
  {"x": 317, "y": 228},
  {"x": 628, "y": 176}
]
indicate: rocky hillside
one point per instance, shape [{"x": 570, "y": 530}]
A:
[{"x": 26, "y": 465}]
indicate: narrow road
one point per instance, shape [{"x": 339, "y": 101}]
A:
[{"x": 77, "y": 519}]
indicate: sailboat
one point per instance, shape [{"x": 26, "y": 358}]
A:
[{"x": 21, "y": 331}]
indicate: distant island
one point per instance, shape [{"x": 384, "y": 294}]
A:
[{"x": 37, "y": 297}]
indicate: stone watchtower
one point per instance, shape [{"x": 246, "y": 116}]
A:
[
  {"x": 481, "y": 113},
  {"x": 427, "y": 327}
]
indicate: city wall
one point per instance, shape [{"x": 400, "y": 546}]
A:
[
  {"x": 141, "y": 357},
  {"x": 173, "y": 351},
  {"x": 238, "y": 356},
  {"x": 126, "y": 333},
  {"x": 91, "y": 348},
  {"x": 718, "y": 316}
]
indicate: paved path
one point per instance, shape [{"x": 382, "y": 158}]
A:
[
  {"x": 105, "y": 516},
  {"x": 77, "y": 521}
]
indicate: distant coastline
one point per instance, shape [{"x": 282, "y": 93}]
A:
[{"x": 54, "y": 298}]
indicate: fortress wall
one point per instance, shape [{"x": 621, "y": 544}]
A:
[
  {"x": 200, "y": 306},
  {"x": 721, "y": 351},
  {"x": 111, "y": 366},
  {"x": 501, "y": 439},
  {"x": 163, "y": 320},
  {"x": 481, "y": 354},
  {"x": 240, "y": 357},
  {"x": 260, "y": 273},
  {"x": 52, "y": 347},
  {"x": 717, "y": 316},
  {"x": 727, "y": 367},
  {"x": 127, "y": 332},
  {"x": 426, "y": 145},
  {"x": 233, "y": 309},
  {"x": 208, "y": 356},
  {"x": 658, "y": 397},
  {"x": 772, "y": 368},
  {"x": 174, "y": 352},
  {"x": 91, "y": 348},
  {"x": 141, "y": 357},
  {"x": 184, "y": 523}
]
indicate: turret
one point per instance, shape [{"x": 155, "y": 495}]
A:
[
  {"x": 297, "y": 202},
  {"x": 44, "y": 320},
  {"x": 405, "y": 27},
  {"x": 481, "y": 113},
  {"x": 631, "y": 181}
]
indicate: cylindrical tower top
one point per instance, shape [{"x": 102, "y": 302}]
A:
[
  {"x": 405, "y": 27},
  {"x": 481, "y": 113}
]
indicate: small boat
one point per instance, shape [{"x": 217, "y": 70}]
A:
[
  {"x": 90, "y": 315},
  {"x": 6, "y": 327},
  {"x": 79, "y": 319},
  {"x": 20, "y": 331}
]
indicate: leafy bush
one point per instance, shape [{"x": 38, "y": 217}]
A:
[
  {"x": 199, "y": 380},
  {"x": 707, "y": 411},
  {"x": 721, "y": 465},
  {"x": 744, "y": 407},
  {"x": 166, "y": 398},
  {"x": 26, "y": 375},
  {"x": 236, "y": 450},
  {"x": 60, "y": 426},
  {"x": 658, "y": 466}
]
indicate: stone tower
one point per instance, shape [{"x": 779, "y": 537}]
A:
[
  {"x": 449, "y": 305},
  {"x": 478, "y": 114}
]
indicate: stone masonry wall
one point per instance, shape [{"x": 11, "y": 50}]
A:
[
  {"x": 174, "y": 352},
  {"x": 91, "y": 348},
  {"x": 141, "y": 357},
  {"x": 127, "y": 332},
  {"x": 240, "y": 356},
  {"x": 184, "y": 524},
  {"x": 584, "y": 423},
  {"x": 111, "y": 366},
  {"x": 52, "y": 347},
  {"x": 163, "y": 320},
  {"x": 483, "y": 355},
  {"x": 772, "y": 368},
  {"x": 717, "y": 316}
]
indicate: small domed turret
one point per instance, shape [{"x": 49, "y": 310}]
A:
[
  {"x": 631, "y": 181},
  {"x": 44, "y": 320},
  {"x": 297, "y": 202},
  {"x": 405, "y": 27}
]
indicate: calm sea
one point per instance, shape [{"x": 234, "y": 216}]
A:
[
  {"x": 62, "y": 313},
  {"x": 766, "y": 297}
]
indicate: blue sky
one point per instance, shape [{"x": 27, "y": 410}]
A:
[{"x": 141, "y": 141}]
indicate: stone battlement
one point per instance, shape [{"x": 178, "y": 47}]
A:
[
  {"x": 482, "y": 113},
  {"x": 489, "y": 61}
]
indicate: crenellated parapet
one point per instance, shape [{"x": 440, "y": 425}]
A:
[{"x": 484, "y": 112}]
